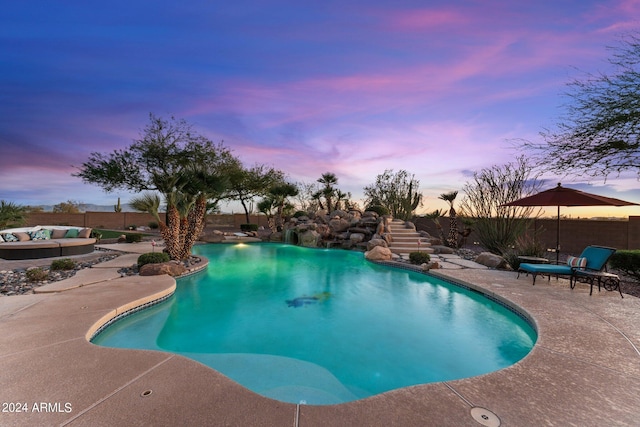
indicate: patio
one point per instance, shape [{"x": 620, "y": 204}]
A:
[{"x": 583, "y": 371}]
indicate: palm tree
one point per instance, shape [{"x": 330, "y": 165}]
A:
[
  {"x": 435, "y": 217},
  {"x": 329, "y": 180},
  {"x": 279, "y": 195},
  {"x": 452, "y": 240},
  {"x": 11, "y": 215}
]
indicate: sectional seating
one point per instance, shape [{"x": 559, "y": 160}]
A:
[{"x": 45, "y": 242}]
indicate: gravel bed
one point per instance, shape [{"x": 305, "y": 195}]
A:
[{"x": 15, "y": 282}]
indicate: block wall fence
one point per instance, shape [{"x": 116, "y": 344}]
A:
[
  {"x": 123, "y": 220},
  {"x": 575, "y": 234}
]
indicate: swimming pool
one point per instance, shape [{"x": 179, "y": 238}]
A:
[{"x": 324, "y": 326}]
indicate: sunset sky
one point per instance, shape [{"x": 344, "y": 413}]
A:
[{"x": 438, "y": 88}]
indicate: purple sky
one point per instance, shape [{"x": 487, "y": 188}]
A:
[{"x": 437, "y": 88}]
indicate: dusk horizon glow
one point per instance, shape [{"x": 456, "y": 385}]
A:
[{"x": 440, "y": 89}]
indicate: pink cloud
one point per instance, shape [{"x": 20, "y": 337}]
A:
[{"x": 426, "y": 19}]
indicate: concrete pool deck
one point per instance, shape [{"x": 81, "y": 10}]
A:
[{"x": 583, "y": 371}]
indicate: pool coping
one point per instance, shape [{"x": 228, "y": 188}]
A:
[{"x": 584, "y": 369}]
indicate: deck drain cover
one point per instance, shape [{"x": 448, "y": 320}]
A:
[
  {"x": 146, "y": 393},
  {"x": 485, "y": 417}
]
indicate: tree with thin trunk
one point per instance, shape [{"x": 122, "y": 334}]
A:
[
  {"x": 599, "y": 133},
  {"x": 246, "y": 184}
]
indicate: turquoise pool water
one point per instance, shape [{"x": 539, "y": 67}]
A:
[{"x": 324, "y": 326}]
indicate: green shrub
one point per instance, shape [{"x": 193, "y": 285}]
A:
[
  {"x": 132, "y": 227},
  {"x": 133, "y": 238},
  {"x": 36, "y": 274},
  {"x": 152, "y": 258},
  {"x": 248, "y": 227},
  {"x": 153, "y": 225},
  {"x": 419, "y": 258},
  {"x": 627, "y": 261},
  {"x": 63, "y": 264},
  {"x": 96, "y": 235},
  {"x": 298, "y": 214},
  {"x": 379, "y": 209}
]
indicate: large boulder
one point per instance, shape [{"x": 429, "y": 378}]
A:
[
  {"x": 491, "y": 260},
  {"x": 339, "y": 225},
  {"x": 378, "y": 253},
  {"x": 439, "y": 249},
  {"x": 171, "y": 268},
  {"x": 308, "y": 239},
  {"x": 356, "y": 237},
  {"x": 376, "y": 242},
  {"x": 339, "y": 213}
]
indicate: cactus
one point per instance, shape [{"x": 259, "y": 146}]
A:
[
  {"x": 117, "y": 208},
  {"x": 410, "y": 202}
]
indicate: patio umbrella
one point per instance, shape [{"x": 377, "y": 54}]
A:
[{"x": 562, "y": 196}]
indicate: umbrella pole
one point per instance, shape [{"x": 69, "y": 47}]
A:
[{"x": 558, "y": 237}]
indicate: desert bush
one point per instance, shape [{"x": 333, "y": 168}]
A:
[
  {"x": 36, "y": 274},
  {"x": 496, "y": 225},
  {"x": 133, "y": 238},
  {"x": 419, "y": 258},
  {"x": 525, "y": 245},
  {"x": 380, "y": 210},
  {"x": 249, "y": 227},
  {"x": 298, "y": 214},
  {"x": 63, "y": 264},
  {"x": 152, "y": 258},
  {"x": 627, "y": 261},
  {"x": 153, "y": 225}
]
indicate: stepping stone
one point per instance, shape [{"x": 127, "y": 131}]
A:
[
  {"x": 87, "y": 276},
  {"x": 467, "y": 264},
  {"x": 122, "y": 261},
  {"x": 449, "y": 266}
]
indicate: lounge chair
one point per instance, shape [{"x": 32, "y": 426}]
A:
[{"x": 592, "y": 259}]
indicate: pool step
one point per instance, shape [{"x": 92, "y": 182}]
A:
[{"x": 406, "y": 240}]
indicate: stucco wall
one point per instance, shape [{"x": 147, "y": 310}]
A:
[
  {"x": 123, "y": 220},
  {"x": 575, "y": 234}
]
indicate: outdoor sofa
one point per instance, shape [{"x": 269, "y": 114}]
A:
[{"x": 45, "y": 242}]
